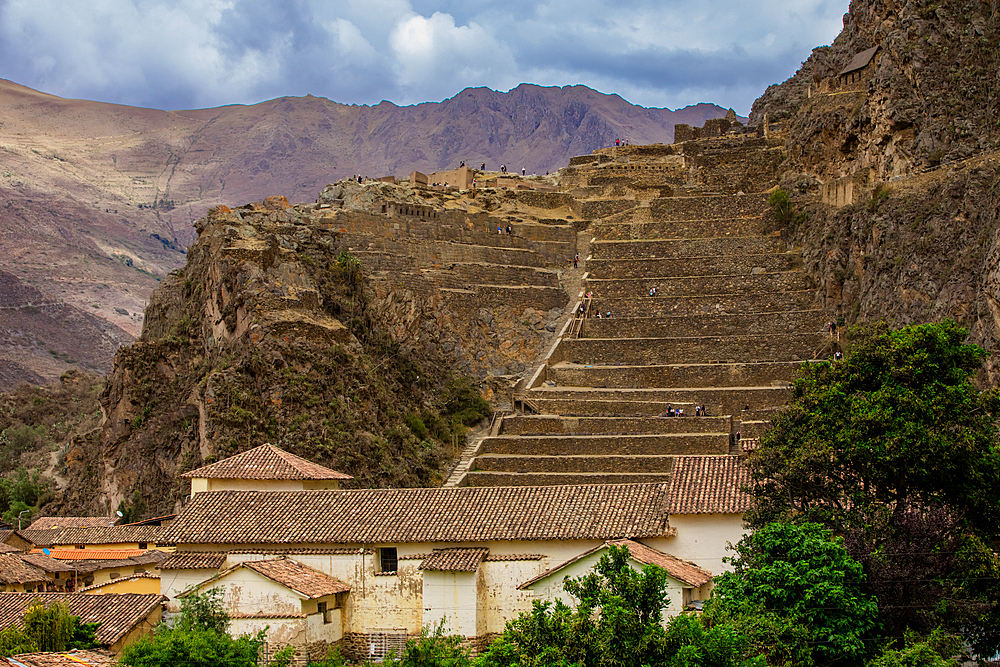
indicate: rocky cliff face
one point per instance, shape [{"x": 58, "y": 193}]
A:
[{"x": 913, "y": 138}]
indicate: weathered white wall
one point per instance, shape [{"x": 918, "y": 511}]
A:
[
  {"x": 173, "y": 582},
  {"x": 451, "y": 596},
  {"x": 500, "y": 599}
]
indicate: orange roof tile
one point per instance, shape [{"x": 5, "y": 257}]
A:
[
  {"x": 95, "y": 535},
  {"x": 708, "y": 485},
  {"x": 117, "y": 613},
  {"x": 49, "y": 522},
  {"x": 681, "y": 570},
  {"x": 91, "y": 554},
  {"x": 298, "y": 577},
  {"x": 265, "y": 462},
  {"x": 15, "y": 570},
  {"x": 463, "y": 514},
  {"x": 193, "y": 561},
  {"x": 74, "y": 658}
]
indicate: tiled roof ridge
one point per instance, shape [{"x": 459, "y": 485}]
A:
[
  {"x": 687, "y": 571},
  {"x": 443, "y": 514},
  {"x": 265, "y": 462},
  {"x": 125, "y": 610}
]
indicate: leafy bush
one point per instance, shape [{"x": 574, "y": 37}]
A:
[{"x": 781, "y": 204}]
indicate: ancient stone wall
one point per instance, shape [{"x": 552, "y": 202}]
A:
[
  {"x": 693, "y": 247},
  {"x": 696, "y": 285},
  {"x": 706, "y": 350},
  {"x": 681, "y": 375},
  {"x": 630, "y": 445},
  {"x": 691, "y": 266}
]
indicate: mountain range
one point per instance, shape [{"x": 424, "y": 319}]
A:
[{"x": 98, "y": 199}]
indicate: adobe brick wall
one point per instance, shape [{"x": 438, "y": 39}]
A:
[
  {"x": 692, "y": 266},
  {"x": 574, "y": 464},
  {"x": 632, "y": 445},
  {"x": 542, "y": 479},
  {"x": 705, "y": 325},
  {"x": 788, "y": 281},
  {"x": 635, "y": 351},
  {"x": 680, "y": 375},
  {"x": 641, "y": 305},
  {"x": 697, "y": 247}
]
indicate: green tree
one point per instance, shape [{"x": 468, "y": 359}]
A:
[
  {"x": 896, "y": 449},
  {"x": 198, "y": 639},
  {"x": 53, "y": 628},
  {"x": 617, "y": 622},
  {"x": 804, "y": 574},
  {"x": 14, "y": 641},
  {"x": 133, "y": 509}
]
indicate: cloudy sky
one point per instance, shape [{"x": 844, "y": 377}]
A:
[{"x": 180, "y": 54}]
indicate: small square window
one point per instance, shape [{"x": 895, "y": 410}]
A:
[
  {"x": 388, "y": 561},
  {"x": 321, "y": 608}
]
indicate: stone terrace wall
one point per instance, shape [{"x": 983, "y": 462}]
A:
[
  {"x": 601, "y": 208},
  {"x": 542, "y": 479},
  {"x": 706, "y": 350},
  {"x": 704, "y": 325},
  {"x": 442, "y": 252},
  {"x": 624, "y": 229},
  {"x": 681, "y": 375},
  {"x": 553, "y": 425},
  {"x": 519, "y": 297},
  {"x": 700, "y": 208},
  {"x": 691, "y": 266},
  {"x": 696, "y": 247},
  {"x": 644, "y": 306},
  {"x": 499, "y": 274},
  {"x": 698, "y": 285},
  {"x": 626, "y": 445}
]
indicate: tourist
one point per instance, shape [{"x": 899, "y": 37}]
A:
[
  {"x": 697, "y": 411},
  {"x": 482, "y": 167},
  {"x": 670, "y": 410},
  {"x": 608, "y": 315},
  {"x": 509, "y": 230},
  {"x": 576, "y": 261},
  {"x": 500, "y": 229},
  {"x": 618, "y": 142}
]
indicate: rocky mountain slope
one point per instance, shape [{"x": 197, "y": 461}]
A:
[
  {"x": 98, "y": 199},
  {"x": 897, "y": 174}
]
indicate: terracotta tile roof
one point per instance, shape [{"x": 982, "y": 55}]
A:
[
  {"x": 95, "y": 535},
  {"x": 46, "y": 563},
  {"x": 49, "y": 522},
  {"x": 492, "y": 558},
  {"x": 455, "y": 560},
  {"x": 681, "y": 570},
  {"x": 265, "y": 462},
  {"x": 117, "y": 614},
  {"x": 6, "y": 548},
  {"x": 193, "y": 560},
  {"x": 708, "y": 485},
  {"x": 91, "y": 554},
  {"x": 266, "y": 616},
  {"x": 74, "y": 658},
  {"x": 463, "y": 514},
  {"x": 137, "y": 575},
  {"x": 15, "y": 570},
  {"x": 7, "y": 534},
  {"x": 298, "y": 577},
  {"x": 150, "y": 557}
]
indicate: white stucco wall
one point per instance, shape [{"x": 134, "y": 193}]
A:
[
  {"x": 451, "y": 596},
  {"x": 702, "y": 538}
]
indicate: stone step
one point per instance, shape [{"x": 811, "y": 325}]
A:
[
  {"x": 676, "y": 248},
  {"x": 630, "y": 227},
  {"x": 712, "y": 265},
  {"x": 578, "y": 464},
  {"x": 556, "y": 425},
  {"x": 656, "y": 401},
  {"x": 560, "y": 479},
  {"x": 607, "y": 445},
  {"x": 692, "y": 350},
  {"x": 775, "y": 373},
  {"x": 781, "y": 281},
  {"x": 795, "y": 321},
  {"x": 661, "y": 306}
]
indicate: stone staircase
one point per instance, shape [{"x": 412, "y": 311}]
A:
[{"x": 732, "y": 317}]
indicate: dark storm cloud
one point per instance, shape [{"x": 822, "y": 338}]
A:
[{"x": 189, "y": 53}]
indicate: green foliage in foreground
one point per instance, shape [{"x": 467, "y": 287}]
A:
[
  {"x": 47, "y": 628},
  {"x": 801, "y": 578},
  {"x": 198, "y": 639}
]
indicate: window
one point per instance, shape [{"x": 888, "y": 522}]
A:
[
  {"x": 387, "y": 560},
  {"x": 321, "y": 608},
  {"x": 115, "y": 575},
  {"x": 143, "y": 545}
]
